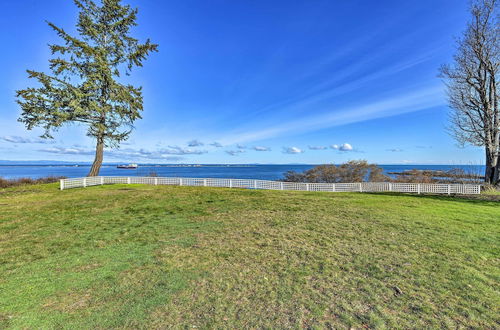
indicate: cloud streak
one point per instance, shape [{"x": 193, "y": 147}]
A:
[
  {"x": 68, "y": 151},
  {"x": 216, "y": 144},
  {"x": 20, "y": 139},
  {"x": 334, "y": 87},
  {"x": 234, "y": 152},
  {"x": 172, "y": 153},
  {"x": 391, "y": 106},
  {"x": 195, "y": 143},
  {"x": 176, "y": 150},
  {"x": 317, "y": 147}
]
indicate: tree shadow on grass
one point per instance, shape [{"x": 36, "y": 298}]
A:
[{"x": 484, "y": 200}]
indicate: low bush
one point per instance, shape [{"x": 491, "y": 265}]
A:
[
  {"x": 5, "y": 183},
  {"x": 352, "y": 171},
  {"x": 362, "y": 171}
]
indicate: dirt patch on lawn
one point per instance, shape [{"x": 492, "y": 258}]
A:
[{"x": 70, "y": 302}]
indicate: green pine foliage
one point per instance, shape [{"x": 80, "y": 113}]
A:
[{"x": 83, "y": 85}]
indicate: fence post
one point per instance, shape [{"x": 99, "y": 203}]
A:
[
  {"x": 230, "y": 183},
  {"x": 281, "y": 185},
  {"x": 360, "y": 187},
  {"x": 418, "y": 188},
  {"x": 128, "y": 180},
  {"x": 307, "y": 186},
  {"x": 102, "y": 180},
  {"x": 84, "y": 182},
  {"x": 204, "y": 182},
  {"x": 254, "y": 184},
  {"x": 61, "y": 184},
  {"x": 390, "y": 186},
  {"x": 156, "y": 181},
  {"x": 333, "y": 187},
  {"x": 180, "y": 181},
  {"x": 449, "y": 189}
]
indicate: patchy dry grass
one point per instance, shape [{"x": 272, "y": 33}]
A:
[
  {"x": 492, "y": 191},
  {"x": 146, "y": 256}
]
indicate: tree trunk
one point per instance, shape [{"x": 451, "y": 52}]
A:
[
  {"x": 492, "y": 173},
  {"x": 496, "y": 175},
  {"x": 96, "y": 165},
  {"x": 495, "y": 172}
]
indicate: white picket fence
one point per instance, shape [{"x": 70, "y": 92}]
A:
[{"x": 433, "y": 188}]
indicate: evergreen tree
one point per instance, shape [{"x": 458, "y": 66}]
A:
[{"x": 83, "y": 86}]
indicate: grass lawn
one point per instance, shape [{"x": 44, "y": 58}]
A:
[{"x": 145, "y": 256}]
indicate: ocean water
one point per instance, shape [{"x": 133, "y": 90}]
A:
[{"x": 261, "y": 172}]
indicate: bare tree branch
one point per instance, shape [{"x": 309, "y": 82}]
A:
[{"x": 472, "y": 87}]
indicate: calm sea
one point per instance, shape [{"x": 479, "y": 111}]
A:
[{"x": 262, "y": 172}]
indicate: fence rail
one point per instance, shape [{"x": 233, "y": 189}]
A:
[{"x": 418, "y": 188}]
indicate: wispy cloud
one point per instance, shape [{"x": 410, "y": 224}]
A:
[
  {"x": 68, "y": 151},
  {"x": 176, "y": 150},
  {"x": 334, "y": 87},
  {"x": 234, "y": 152},
  {"x": 261, "y": 148},
  {"x": 216, "y": 144},
  {"x": 241, "y": 146},
  {"x": 292, "y": 150},
  {"x": 171, "y": 153},
  {"x": 20, "y": 139},
  {"x": 195, "y": 143},
  {"x": 394, "y": 150},
  {"x": 161, "y": 154},
  {"x": 317, "y": 147},
  {"x": 390, "y": 106}
]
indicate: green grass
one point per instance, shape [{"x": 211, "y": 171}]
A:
[{"x": 132, "y": 256}]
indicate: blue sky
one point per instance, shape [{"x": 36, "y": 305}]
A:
[{"x": 261, "y": 82}]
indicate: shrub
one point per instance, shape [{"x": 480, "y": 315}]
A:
[
  {"x": 415, "y": 176},
  {"x": 351, "y": 171},
  {"x": 5, "y": 183},
  {"x": 361, "y": 170}
]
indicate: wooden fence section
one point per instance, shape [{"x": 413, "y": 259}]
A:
[{"x": 418, "y": 188}]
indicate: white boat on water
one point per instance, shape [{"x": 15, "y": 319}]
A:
[{"x": 129, "y": 166}]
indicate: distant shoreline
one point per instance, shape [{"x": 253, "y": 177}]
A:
[
  {"x": 222, "y": 165},
  {"x": 143, "y": 165},
  {"x": 235, "y": 171}
]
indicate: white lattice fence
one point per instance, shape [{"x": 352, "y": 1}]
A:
[{"x": 418, "y": 188}]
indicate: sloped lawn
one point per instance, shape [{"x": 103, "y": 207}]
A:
[{"x": 157, "y": 256}]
